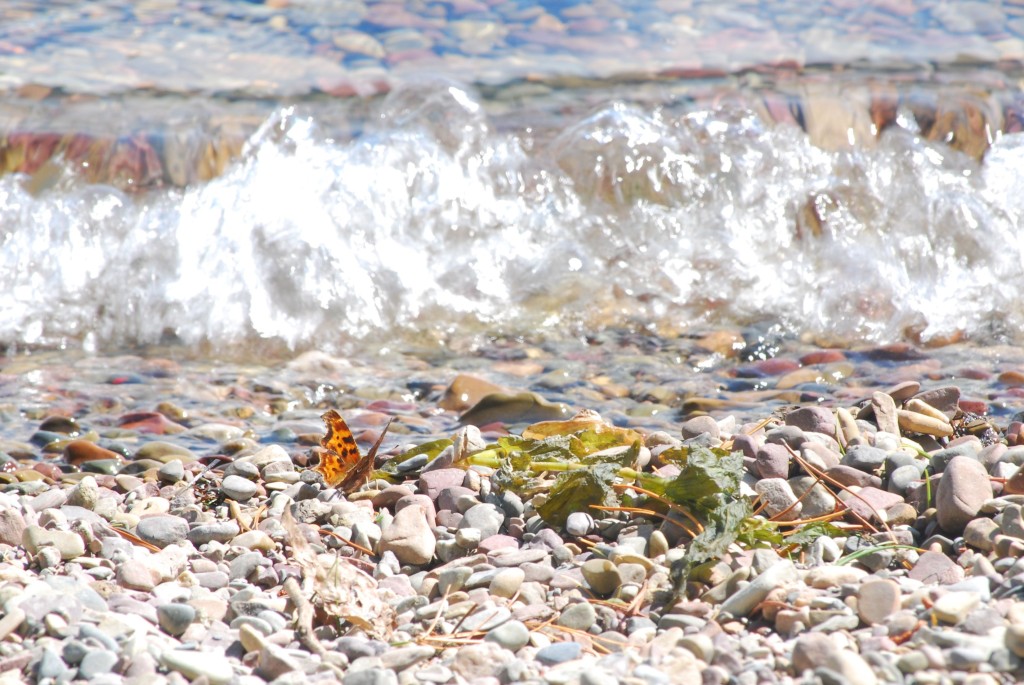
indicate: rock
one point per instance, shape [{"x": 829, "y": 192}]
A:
[
  {"x": 870, "y": 502},
  {"x": 219, "y": 531},
  {"x": 744, "y": 600},
  {"x": 275, "y": 662},
  {"x": 699, "y": 425},
  {"x": 85, "y": 494},
  {"x": 778, "y": 497},
  {"x": 602, "y": 576},
  {"x": 579, "y": 523},
  {"x": 579, "y": 616},
  {"x": 466, "y": 390},
  {"x": 524, "y": 407},
  {"x": 1014, "y": 639},
  {"x": 813, "y": 419},
  {"x": 558, "y": 653},
  {"x": 877, "y": 600},
  {"x": 864, "y": 458},
  {"x": 482, "y": 660},
  {"x": 824, "y": 577},
  {"x": 78, "y": 452},
  {"x": 772, "y": 461},
  {"x": 12, "y": 526},
  {"x": 963, "y": 489},
  {"x": 487, "y": 518},
  {"x": 238, "y": 488},
  {"x": 371, "y": 676},
  {"x": 506, "y": 582},
  {"x": 885, "y": 412},
  {"x": 431, "y": 483},
  {"x": 936, "y": 567},
  {"x": 70, "y": 545},
  {"x": 134, "y": 575},
  {"x": 953, "y": 607},
  {"x": 96, "y": 662},
  {"x": 196, "y": 664},
  {"x": 511, "y": 635},
  {"x": 172, "y": 472},
  {"x": 811, "y": 651},
  {"x": 980, "y": 533},
  {"x": 175, "y": 618},
  {"x": 162, "y": 530},
  {"x": 409, "y": 537}
]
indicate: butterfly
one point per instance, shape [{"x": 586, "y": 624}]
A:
[{"x": 341, "y": 464}]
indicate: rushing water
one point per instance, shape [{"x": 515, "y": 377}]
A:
[{"x": 441, "y": 209}]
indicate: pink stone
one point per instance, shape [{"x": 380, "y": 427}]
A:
[
  {"x": 870, "y": 500},
  {"x": 495, "y": 542}
]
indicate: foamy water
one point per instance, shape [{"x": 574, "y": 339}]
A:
[{"x": 435, "y": 222}]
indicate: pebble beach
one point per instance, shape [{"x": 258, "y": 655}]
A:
[{"x": 160, "y": 520}]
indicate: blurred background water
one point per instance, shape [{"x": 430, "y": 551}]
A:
[{"x": 326, "y": 174}]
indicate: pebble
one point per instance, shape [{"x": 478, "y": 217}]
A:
[
  {"x": 877, "y": 600},
  {"x": 511, "y": 635},
  {"x": 579, "y": 616},
  {"x": 175, "y": 618},
  {"x": 162, "y": 530},
  {"x": 409, "y": 537},
  {"x": 238, "y": 488},
  {"x": 963, "y": 489},
  {"x": 198, "y": 664},
  {"x": 602, "y": 576},
  {"x": 558, "y": 653}
]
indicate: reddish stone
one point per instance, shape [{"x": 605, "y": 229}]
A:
[
  {"x": 870, "y": 500},
  {"x": 936, "y": 567},
  {"x": 79, "y": 451},
  {"x": 150, "y": 422},
  {"x": 495, "y": 542},
  {"x": 823, "y": 357},
  {"x": 51, "y": 471},
  {"x": 431, "y": 483}
]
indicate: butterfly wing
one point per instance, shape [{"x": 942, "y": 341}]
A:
[{"x": 341, "y": 464}]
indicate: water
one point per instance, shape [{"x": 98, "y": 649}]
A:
[{"x": 218, "y": 209}]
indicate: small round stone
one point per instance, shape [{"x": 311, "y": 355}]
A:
[
  {"x": 601, "y": 575},
  {"x": 175, "y": 617},
  {"x": 579, "y": 523},
  {"x": 511, "y": 635},
  {"x": 238, "y": 488},
  {"x": 580, "y": 616}
]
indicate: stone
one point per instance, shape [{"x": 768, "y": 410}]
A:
[
  {"x": 487, "y": 518},
  {"x": 781, "y": 503},
  {"x": 744, "y": 600},
  {"x": 511, "y": 635},
  {"x": 85, "y": 494},
  {"x": 936, "y": 567},
  {"x": 772, "y": 461},
  {"x": 885, "y": 412},
  {"x": 482, "y": 660},
  {"x": 558, "y": 653},
  {"x": 953, "y": 607},
  {"x": 579, "y": 523},
  {"x": 275, "y": 662},
  {"x": 963, "y": 489},
  {"x": 699, "y": 425},
  {"x": 175, "y": 618},
  {"x": 465, "y": 390},
  {"x": 1014, "y": 639},
  {"x": 238, "y": 488},
  {"x": 431, "y": 483},
  {"x": 197, "y": 664},
  {"x": 12, "y": 526},
  {"x": 813, "y": 420},
  {"x": 980, "y": 533},
  {"x": 96, "y": 662},
  {"x": 506, "y": 582},
  {"x": 135, "y": 575},
  {"x": 162, "y": 530},
  {"x": 219, "y": 531},
  {"x": 69, "y": 544},
  {"x": 864, "y": 458},
  {"x": 409, "y": 537},
  {"x": 77, "y": 452},
  {"x": 579, "y": 616},
  {"x": 812, "y": 650},
  {"x": 602, "y": 576},
  {"x": 877, "y": 600},
  {"x": 371, "y": 676},
  {"x": 870, "y": 503},
  {"x": 824, "y": 577}
]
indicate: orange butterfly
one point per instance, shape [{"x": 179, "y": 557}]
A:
[{"x": 341, "y": 465}]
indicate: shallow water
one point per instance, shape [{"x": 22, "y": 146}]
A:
[{"x": 673, "y": 190}]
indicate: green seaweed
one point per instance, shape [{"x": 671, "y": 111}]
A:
[{"x": 579, "y": 490}]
